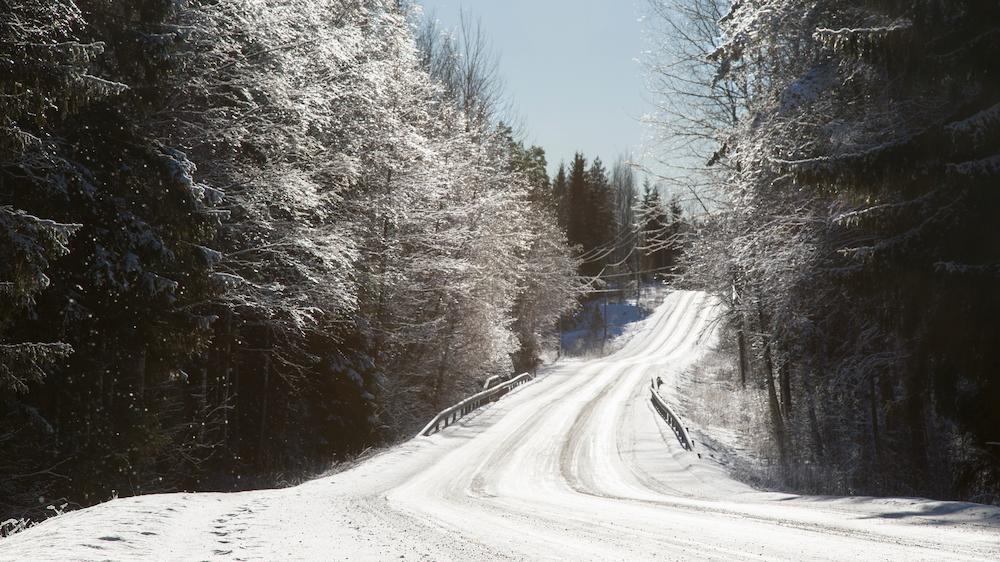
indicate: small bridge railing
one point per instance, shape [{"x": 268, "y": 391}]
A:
[{"x": 450, "y": 415}]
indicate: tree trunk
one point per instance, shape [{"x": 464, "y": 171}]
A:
[
  {"x": 203, "y": 403},
  {"x": 380, "y": 304},
  {"x": 226, "y": 367},
  {"x": 265, "y": 395},
  {"x": 784, "y": 372},
  {"x": 813, "y": 421},
  {"x": 140, "y": 375},
  {"x": 873, "y": 404},
  {"x": 443, "y": 366},
  {"x": 234, "y": 393},
  {"x": 604, "y": 341},
  {"x": 741, "y": 341},
  {"x": 772, "y": 394},
  {"x": 915, "y": 395}
]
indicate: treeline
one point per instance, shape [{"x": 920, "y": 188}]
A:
[
  {"x": 854, "y": 153},
  {"x": 621, "y": 237},
  {"x": 241, "y": 239}
]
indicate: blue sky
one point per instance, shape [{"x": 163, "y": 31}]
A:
[{"x": 570, "y": 67}]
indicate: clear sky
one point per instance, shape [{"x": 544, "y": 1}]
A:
[{"x": 570, "y": 67}]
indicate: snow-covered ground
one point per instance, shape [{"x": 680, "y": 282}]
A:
[
  {"x": 573, "y": 466},
  {"x": 586, "y": 336}
]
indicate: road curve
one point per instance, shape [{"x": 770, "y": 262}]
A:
[{"x": 573, "y": 466}]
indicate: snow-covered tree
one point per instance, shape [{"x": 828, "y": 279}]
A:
[
  {"x": 855, "y": 242},
  {"x": 77, "y": 149},
  {"x": 44, "y": 78},
  {"x": 250, "y": 217}
]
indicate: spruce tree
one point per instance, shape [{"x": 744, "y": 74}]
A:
[
  {"x": 655, "y": 231},
  {"x": 601, "y": 209},
  {"x": 560, "y": 194},
  {"x": 43, "y": 81},
  {"x": 129, "y": 295},
  {"x": 862, "y": 232},
  {"x": 577, "y": 203}
]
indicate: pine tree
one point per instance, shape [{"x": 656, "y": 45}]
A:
[
  {"x": 43, "y": 79},
  {"x": 591, "y": 215},
  {"x": 578, "y": 203},
  {"x": 127, "y": 295},
  {"x": 655, "y": 231},
  {"x": 601, "y": 225},
  {"x": 560, "y": 193}
]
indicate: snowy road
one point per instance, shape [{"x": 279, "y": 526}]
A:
[{"x": 573, "y": 466}]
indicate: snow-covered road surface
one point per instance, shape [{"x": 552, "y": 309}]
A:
[{"x": 573, "y": 466}]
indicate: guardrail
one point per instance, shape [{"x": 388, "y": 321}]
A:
[
  {"x": 672, "y": 419},
  {"x": 450, "y": 415},
  {"x": 495, "y": 380}
]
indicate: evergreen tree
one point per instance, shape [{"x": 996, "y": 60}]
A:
[
  {"x": 601, "y": 225},
  {"x": 560, "y": 193},
  {"x": 577, "y": 204},
  {"x": 43, "y": 80},
  {"x": 345, "y": 243},
  {"x": 128, "y": 296},
  {"x": 530, "y": 163},
  {"x": 655, "y": 231},
  {"x": 590, "y": 214},
  {"x": 858, "y": 242}
]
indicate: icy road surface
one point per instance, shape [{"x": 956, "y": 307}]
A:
[{"x": 573, "y": 466}]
